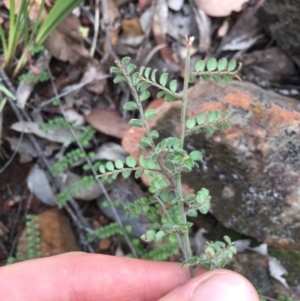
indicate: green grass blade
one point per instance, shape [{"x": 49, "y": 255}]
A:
[
  {"x": 60, "y": 10},
  {"x": 3, "y": 40},
  {"x": 38, "y": 21}
]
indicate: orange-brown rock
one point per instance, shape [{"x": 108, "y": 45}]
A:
[
  {"x": 252, "y": 170},
  {"x": 56, "y": 233}
]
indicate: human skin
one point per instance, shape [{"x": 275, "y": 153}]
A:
[{"x": 87, "y": 277}]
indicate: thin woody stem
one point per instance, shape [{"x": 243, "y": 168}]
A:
[{"x": 185, "y": 236}]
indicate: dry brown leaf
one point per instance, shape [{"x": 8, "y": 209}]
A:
[
  {"x": 35, "y": 6},
  {"x": 66, "y": 42},
  {"x": 131, "y": 27},
  {"x": 159, "y": 28},
  {"x": 93, "y": 72},
  {"x": 59, "y": 136},
  {"x": 114, "y": 23},
  {"x": 108, "y": 122},
  {"x": 220, "y": 8}
]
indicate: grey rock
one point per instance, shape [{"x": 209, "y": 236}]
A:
[
  {"x": 126, "y": 192},
  {"x": 253, "y": 170},
  {"x": 281, "y": 19}
]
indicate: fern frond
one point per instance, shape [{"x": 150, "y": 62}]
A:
[
  {"x": 139, "y": 206},
  {"x": 163, "y": 252},
  {"x": 56, "y": 124},
  {"x": 107, "y": 231},
  {"x": 66, "y": 161},
  {"x": 74, "y": 189}
]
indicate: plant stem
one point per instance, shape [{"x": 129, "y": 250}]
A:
[
  {"x": 185, "y": 89},
  {"x": 185, "y": 236}
]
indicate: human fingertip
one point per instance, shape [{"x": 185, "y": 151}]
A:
[
  {"x": 225, "y": 286},
  {"x": 217, "y": 285}
]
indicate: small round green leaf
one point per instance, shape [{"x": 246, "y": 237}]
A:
[
  {"x": 170, "y": 165},
  {"x": 145, "y": 142},
  {"x": 131, "y": 68},
  {"x": 143, "y": 87},
  {"x": 130, "y": 161},
  {"x": 209, "y": 129},
  {"x": 149, "y": 235},
  {"x": 114, "y": 69},
  {"x": 119, "y": 164},
  {"x": 126, "y": 174},
  {"x": 150, "y": 114},
  {"x": 231, "y": 65},
  {"x": 227, "y": 79},
  {"x": 169, "y": 97},
  {"x": 206, "y": 77},
  {"x": 138, "y": 173},
  {"x": 210, "y": 251},
  {"x": 153, "y": 75},
  {"x": 196, "y": 155},
  {"x": 135, "y": 78},
  {"x": 200, "y": 66},
  {"x": 173, "y": 85},
  {"x": 118, "y": 79},
  {"x": 217, "y": 78},
  {"x": 130, "y": 106},
  {"x": 161, "y": 94},
  {"x": 219, "y": 114},
  {"x": 201, "y": 118},
  {"x": 227, "y": 239},
  {"x": 136, "y": 122},
  {"x": 211, "y": 116},
  {"x": 163, "y": 79},
  {"x": 147, "y": 72},
  {"x": 227, "y": 125},
  {"x": 227, "y": 114},
  {"x": 190, "y": 123},
  {"x": 154, "y": 134},
  {"x": 159, "y": 235},
  {"x": 222, "y": 63},
  {"x": 211, "y": 64},
  {"x": 144, "y": 96},
  {"x": 125, "y": 60},
  {"x": 102, "y": 168},
  {"x": 204, "y": 208},
  {"x": 110, "y": 166}
]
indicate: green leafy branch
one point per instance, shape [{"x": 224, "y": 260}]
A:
[
  {"x": 163, "y": 252},
  {"x": 108, "y": 170},
  {"x": 139, "y": 206},
  {"x": 74, "y": 189},
  {"x": 167, "y": 159},
  {"x": 218, "y": 70},
  {"x": 216, "y": 256},
  {"x": 200, "y": 201},
  {"x": 144, "y": 82},
  {"x": 56, "y": 124},
  {"x": 208, "y": 121},
  {"x": 68, "y": 160},
  {"x": 107, "y": 231},
  {"x": 32, "y": 244}
]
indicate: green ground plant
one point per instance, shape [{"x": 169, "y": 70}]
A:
[
  {"x": 30, "y": 34},
  {"x": 165, "y": 161},
  {"x": 32, "y": 248}
]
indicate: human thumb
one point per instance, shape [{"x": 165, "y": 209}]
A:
[{"x": 217, "y": 285}]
